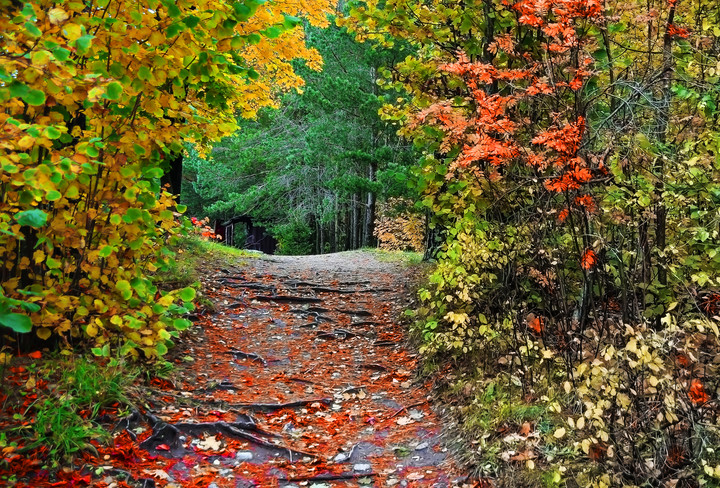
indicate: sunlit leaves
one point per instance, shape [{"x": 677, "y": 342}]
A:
[{"x": 92, "y": 104}]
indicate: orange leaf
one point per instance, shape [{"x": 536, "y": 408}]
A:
[{"x": 35, "y": 355}]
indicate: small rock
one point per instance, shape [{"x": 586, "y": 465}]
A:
[
  {"x": 362, "y": 467},
  {"x": 341, "y": 458},
  {"x": 244, "y": 456},
  {"x": 421, "y": 446}
]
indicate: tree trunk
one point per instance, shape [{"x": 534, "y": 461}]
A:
[
  {"x": 369, "y": 223},
  {"x": 663, "y": 126},
  {"x": 173, "y": 167},
  {"x": 354, "y": 223}
]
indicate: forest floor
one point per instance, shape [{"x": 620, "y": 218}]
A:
[{"x": 299, "y": 375}]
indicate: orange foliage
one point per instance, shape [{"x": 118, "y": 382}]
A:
[
  {"x": 588, "y": 259},
  {"x": 697, "y": 393}
]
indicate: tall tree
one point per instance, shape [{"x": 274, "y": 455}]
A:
[{"x": 312, "y": 170}]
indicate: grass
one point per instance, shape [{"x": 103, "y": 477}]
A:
[
  {"x": 193, "y": 255},
  {"x": 408, "y": 258},
  {"x": 72, "y": 394}
]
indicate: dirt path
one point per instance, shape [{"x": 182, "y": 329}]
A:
[{"x": 301, "y": 378}]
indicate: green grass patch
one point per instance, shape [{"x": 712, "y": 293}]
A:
[
  {"x": 193, "y": 256},
  {"x": 62, "y": 400},
  {"x": 409, "y": 258}
]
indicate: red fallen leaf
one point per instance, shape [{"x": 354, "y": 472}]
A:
[
  {"x": 35, "y": 355},
  {"x": 162, "y": 447}
]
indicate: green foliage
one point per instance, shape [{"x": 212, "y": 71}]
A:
[
  {"x": 308, "y": 170},
  {"x": 65, "y": 417}
]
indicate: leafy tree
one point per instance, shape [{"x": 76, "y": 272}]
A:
[
  {"x": 95, "y": 98},
  {"x": 312, "y": 171}
]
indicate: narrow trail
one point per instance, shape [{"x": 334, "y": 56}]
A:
[{"x": 301, "y": 377}]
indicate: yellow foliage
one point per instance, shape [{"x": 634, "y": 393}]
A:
[
  {"x": 94, "y": 99},
  {"x": 399, "y": 231}
]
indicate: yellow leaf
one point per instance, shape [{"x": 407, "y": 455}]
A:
[
  {"x": 71, "y": 31},
  {"x": 26, "y": 142},
  {"x": 57, "y": 16},
  {"x": 44, "y": 333},
  {"x": 91, "y": 329},
  {"x": 560, "y": 433}
]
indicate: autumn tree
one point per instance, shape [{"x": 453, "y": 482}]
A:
[
  {"x": 571, "y": 161},
  {"x": 96, "y": 97}
]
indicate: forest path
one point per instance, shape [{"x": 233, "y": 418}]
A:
[{"x": 301, "y": 377}]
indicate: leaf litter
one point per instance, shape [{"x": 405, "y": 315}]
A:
[{"x": 269, "y": 402}]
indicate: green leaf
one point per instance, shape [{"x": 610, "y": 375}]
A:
[
  {"x": 34, "y": 218},
  {"x": 191, "y": 21},
  {"x": 181, "y": 324},
  {"x": 17, "y": 322},
  {"x": 53, "y": 195},
  {"x": 161, "y": 349},
  {"x": 18, "y": 89},
  {"x": 61, "y": 54},
  {"x": 272, "y": 32},
  {"x": 173, "y": 30},
  {"x": 32, "y": 29},
  {"x": 52, "y": 133},
  {"x": 187, "y": 294},
  {"x": 291, "y": 21},
  {"x": 34, "y": 97},
  {"x": 132, "y": 215},
  {"x": 122, "y": 285},
  {"x": 173, "y": 10},
  {"x": 114, "y": 90},
  {"x": 105, "y": 252},
  {"x": 144, "y": 73},
  {"x": 83, "y": 43}
]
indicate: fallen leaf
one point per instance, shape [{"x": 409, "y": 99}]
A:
[
  {"x": 35, "y": 355},
  {"x": 404, "y": 421},
  {"x": 525, "y": 429},
  {"x": 158, "y": 473},
  {"x": 210, "y": 443},
  {"x": 524, "y": 456}
]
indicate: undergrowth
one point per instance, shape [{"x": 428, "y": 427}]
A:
[{"x": 55, "y": 406}]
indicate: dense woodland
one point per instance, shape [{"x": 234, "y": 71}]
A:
[
  {"x": 313, "y": 170},
  {"x": 566, "y": 155}
]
